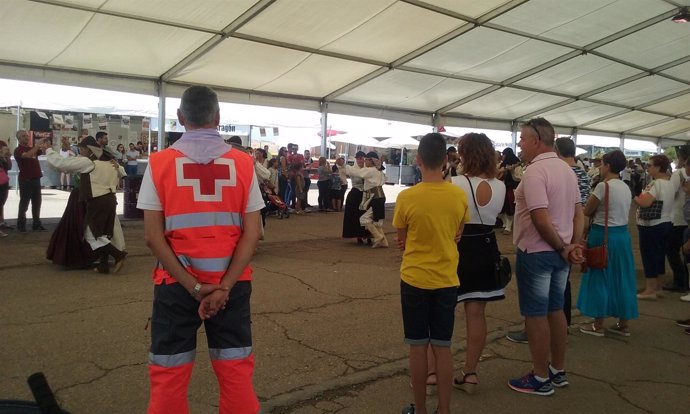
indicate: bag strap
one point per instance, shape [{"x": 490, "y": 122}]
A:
[
  {"x": 606, "y": 213},
  {"x": 474, "y": 199}
]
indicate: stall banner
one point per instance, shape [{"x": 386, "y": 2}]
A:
[
  {"x": 69, "y": 122},
  {"x": 86, "y": 121},
  {"x": 57, "y": 121},
  {"x": 41, "y": 114},
  {"x": 125, "y": 121},
  {"x": 145, "y": 124},
  {"x": 36, "y": 135},
  {"x": 102, "y": 122},
  {"x": 275, "y": 131}
]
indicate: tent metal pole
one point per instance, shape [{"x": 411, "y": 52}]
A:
[
  {"x": 513, "y": 136},
  {"x": 324, "y": 127},
  {"x": 19, "y": 114},
  {"x": 161, "y": 116}
]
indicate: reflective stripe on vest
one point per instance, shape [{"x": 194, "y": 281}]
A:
[
  {"x": 170, "y": 361},
  {"x": 204, "y": 206},
  {"x": 192, "y": 220},
  {"x": 227, "y": 354}
]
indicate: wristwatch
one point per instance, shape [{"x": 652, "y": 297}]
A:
[{"x": 196, "y": 289}]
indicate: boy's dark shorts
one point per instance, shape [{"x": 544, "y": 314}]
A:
[{"x": 428, "y": 314}]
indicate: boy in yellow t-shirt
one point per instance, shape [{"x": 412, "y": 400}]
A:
[{"x": 429, "y": 218}]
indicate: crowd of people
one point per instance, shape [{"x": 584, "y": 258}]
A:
[
  {"x": 205, "y": 203},
  {"x": 556, "y": 209}
]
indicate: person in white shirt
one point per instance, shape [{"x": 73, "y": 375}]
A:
[
  {"x": 680, "y": 270},
  {"x": 65, "y": 177},
  {"x": 100, "y": 175},
  {"x": 655, "y": 231},
  {"x": 132, "y": 155}
]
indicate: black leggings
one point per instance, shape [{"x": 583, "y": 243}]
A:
[{"x": 4, "y": 191}]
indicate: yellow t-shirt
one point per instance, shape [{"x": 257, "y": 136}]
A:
[{"x": 432, "y": 214}]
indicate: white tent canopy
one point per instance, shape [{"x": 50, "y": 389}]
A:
[
  {"x": 399, "y": 142},
  {"x": 598, "y": 67}
]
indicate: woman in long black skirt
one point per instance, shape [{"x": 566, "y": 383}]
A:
[
  {"x": 67, "y": 246},
  {"x": 351, "y": 226}
]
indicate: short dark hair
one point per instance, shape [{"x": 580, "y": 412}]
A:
[
  {"x": 478, "y": 155},
  {"x": 199, "y": 105},
  {"x": 615, "y": 160},
  {"x": 432, "y": 150},
  {"x": 100, "y": 134},
  {"x": 542, "y": 128},
  {"x": 661, "y": 161},
  {"x": 235, "y": 140},
  {"x": 565, "y": 146}
]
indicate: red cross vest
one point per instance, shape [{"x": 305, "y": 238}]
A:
[{"x": 203, "y": 206}]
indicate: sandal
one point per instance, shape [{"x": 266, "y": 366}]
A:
[
  {"x": 592, "y": 330},
  {"x": 465, "y": 385},
  {"x": 430, "y": 386},
  {"x": 618, "y": 329}
]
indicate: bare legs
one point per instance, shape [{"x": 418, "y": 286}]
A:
[
  {"x": 419, "y": 370},
  {"x": 475, "y": 323},
  {"x": 547, "y": 338}
]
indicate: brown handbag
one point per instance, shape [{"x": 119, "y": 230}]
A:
[{"x": 598, "y": 257}]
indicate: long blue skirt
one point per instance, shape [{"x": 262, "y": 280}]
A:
[{"x": 611, "y": 291}]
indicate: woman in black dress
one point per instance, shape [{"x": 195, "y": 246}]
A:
[
  {"x": 506, "y": 173},
  {"x": 351, "y": 226}
]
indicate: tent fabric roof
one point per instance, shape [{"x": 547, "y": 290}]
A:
[{"x": 612, "y": 67}]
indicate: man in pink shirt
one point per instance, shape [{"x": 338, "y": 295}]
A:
[{"x": 548, "y": 227}]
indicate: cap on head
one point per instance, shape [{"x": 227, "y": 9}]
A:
[
  {"x": 360, "y": 154},
  {"x": 372, "y": 154}
]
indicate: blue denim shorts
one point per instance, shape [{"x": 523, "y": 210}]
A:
[{"x": 541, "y": 279}]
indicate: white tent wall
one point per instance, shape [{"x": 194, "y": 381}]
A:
[{"x": 8, "y": 128}]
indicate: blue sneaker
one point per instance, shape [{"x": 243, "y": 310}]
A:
[
  {"x": 530, "y": 385},
  {"x": 558, "y": 380}
]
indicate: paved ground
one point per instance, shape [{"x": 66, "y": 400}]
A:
[{"x": 327, "y": 334}]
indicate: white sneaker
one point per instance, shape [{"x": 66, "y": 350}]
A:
[{"x": 685, "y": 298}]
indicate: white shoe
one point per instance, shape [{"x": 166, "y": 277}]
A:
[{"x": 685, "y": 298}]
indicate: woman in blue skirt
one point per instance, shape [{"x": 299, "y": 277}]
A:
[{"x": 610, "y": 291}]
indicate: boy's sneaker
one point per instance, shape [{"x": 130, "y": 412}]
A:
[
  {"x": 518, "y": 337},
  {"x": 530, "y": 385},
  {"x": 558, "y": 380}
]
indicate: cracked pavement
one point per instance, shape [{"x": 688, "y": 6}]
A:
[{"x": 327, "y": 334}]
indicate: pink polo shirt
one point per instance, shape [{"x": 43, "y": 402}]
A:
[{"x": 548, "y": 182}]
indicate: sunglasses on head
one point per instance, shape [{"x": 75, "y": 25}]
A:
[{"x": 530, "y": 124}]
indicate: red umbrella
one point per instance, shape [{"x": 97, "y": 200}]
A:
[{"x": 331, "y": 132}]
